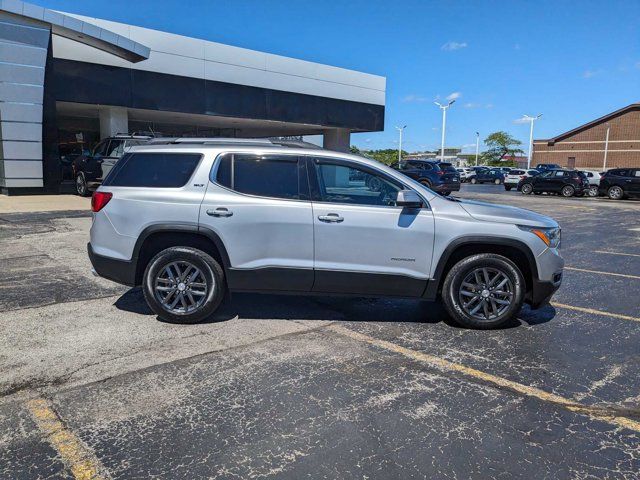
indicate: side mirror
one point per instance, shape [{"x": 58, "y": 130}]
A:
[{"x": 408, "y": 199}]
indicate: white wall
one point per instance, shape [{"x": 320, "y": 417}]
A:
[{"x": 191, "y": 57}]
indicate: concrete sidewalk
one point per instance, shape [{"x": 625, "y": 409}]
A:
[{"x": 43, "y": 203}]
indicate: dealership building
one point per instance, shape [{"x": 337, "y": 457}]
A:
[
  {"x": 615, "y": 136},
  {"x": 66, "y": 81}
]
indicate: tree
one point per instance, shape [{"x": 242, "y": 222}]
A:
[
  {"x": 386, "y": 156},
  {"x": 500, "y": 144}
]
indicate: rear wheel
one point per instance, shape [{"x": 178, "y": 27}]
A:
[
  {"x": 82, "y": 188},
  {"x": 445, "y": 193},
  {"x": 497, "y": 181},
  {"x": 483, "y": 291},
  {"x": 526, "y": 189},
  {"x": 183, "y": 285},
  {"x": 473, "y": 180},
  {"x": 568, "y": 191},
  {"x": 507, "y": 188},
  {"x": 593, "y": 191},
  {"x": 615, "y": 192},
  {"x": 426, "y": 183}
]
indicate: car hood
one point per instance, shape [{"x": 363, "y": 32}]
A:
[{"x": 489, "y": 212}]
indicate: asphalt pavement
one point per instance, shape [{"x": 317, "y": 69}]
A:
[{"x": 92, "y": 385}]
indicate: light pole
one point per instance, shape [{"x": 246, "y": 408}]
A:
[
  {"x": 606, "y": 149},
  {"x": 444, "y": 109},
  {"x": 400, "y": 130},
  {"x": 477, "y": 146},
  {"x": 531, "y": 119}
]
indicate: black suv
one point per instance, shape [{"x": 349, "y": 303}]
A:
[
  {"x": 90, "y": 168},
  {"x": 564, "y": 182},
  {"x": 620, "y": 183},
  {"x": 439, "y": 177},
  {"x": 487, "y": 175}
]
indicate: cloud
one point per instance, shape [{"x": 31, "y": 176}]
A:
[
  {"x": 471, "y": 105},
  {"x": 489, "y": 105},
  {"x": 454, "y": 96},
  {"x": 521, "y": 120},
  {"x": 414, "y": 98},
  {"x": 516, "y": 46},
  {"x": 450, "y": 46},
  {"x": 591, "y": 73},
  {"x": 468, "y": 145},
  {"x": 638, "y": 65}
]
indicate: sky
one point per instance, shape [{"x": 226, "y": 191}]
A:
[{"x": 572, "y": 61}]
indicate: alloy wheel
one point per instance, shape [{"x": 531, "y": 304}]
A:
[
  {"x": 615, "y": 193},
  {"x": 486, "y": 293},
  {"x": 81, "y": 186},
  {"x": 181, "y": 287},
  {"x": 527, "y": 188},
  {"x": 567, "y": 191},
  {"x": 593, "y": 191}
]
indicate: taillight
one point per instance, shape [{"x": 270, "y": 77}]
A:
[
  {"x": 439, "y": 172},
  {"x": 99, "y": 200}
]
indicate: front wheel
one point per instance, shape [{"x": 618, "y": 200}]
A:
[
  {"x": 497, "y": 181},
  {"x": 507, "y": 188},
  {"x": 593, "y": 191},
  {"x": 473, "y": 181},
  {"x": 568, "y": 191},
  {"x": 183, "y": 285},
  {"x": 82, "y": 188},
  {"x": 615, "y": 192},
  {"x": 483, "y": 291},
  {"x": 526, "y": 189}
]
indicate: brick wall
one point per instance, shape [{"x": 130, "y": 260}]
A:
[{"x": 587, "y": 146}]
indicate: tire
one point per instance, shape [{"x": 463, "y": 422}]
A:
[
  {"x": 507, "y": 188},
  {"x": 568, "y": 191},
  {"x": 82, "y": 188},
  {"x": 497, "y": 181},
  {"x": 426, "y": 183},
  {"x": 492, "y": 314},
  {"x": 209, "y": 281},
  {"x": 526, "y": 189},
  {"x": 473, "y": 181},
  {"x": 615, "y": 192},
  {"x": 593, "y": 191}
]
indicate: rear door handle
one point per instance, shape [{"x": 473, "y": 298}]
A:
[
  {"x": 219, "y": 212},
  {"x": 331, "y": 218}
]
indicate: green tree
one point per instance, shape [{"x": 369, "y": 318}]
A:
[
  {"x": 386, "y": 156},
  {"x": 500, "y": 144}
]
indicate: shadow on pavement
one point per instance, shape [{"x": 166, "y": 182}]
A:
[{"x": 351, "y": 309}]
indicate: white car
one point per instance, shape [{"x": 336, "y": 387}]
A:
[
  {"x": 464, "y": 173},
  {"x": 594, "y": 182},
  {"x": 514, "y": 176}
]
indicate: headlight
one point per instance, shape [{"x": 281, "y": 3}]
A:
[{"x": 549, "y": 235}]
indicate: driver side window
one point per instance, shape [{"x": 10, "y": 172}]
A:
[{"x": 351, "y": 185}]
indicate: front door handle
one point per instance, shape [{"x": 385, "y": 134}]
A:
[
  {"x": 219, "y": 212},
  {"x": 331, "y": 218}
]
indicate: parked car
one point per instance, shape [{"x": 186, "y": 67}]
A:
[
  {"x": 439, "y": 177},
  {"x": 187, "y": 222},
  {"x": 563, "y": 182},
  {"x": 594, "y": 181},
  {"x": 464, "y": 173},
  {"x": 620, "y": 183},
  {"x": 548, "y": 166},
  {"x": 487, "y": 175},
  {"x": 512, "y": 178},
  {"x": 92, "y": 167}
]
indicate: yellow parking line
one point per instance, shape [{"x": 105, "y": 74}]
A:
[
  {"x": 595, "y": 312},
  {"x": 82, "y": 463},
  {"x": 603, "y": 273},
  {"x": 618, "y": 253},
  {"x": 441, "y": 364}
]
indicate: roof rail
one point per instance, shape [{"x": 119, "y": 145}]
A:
[{"x": 264, "y": 142}]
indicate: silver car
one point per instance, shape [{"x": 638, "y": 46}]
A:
[{"x": 190, "y": 219}]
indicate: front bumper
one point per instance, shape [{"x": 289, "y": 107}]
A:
[
  {"x": 542, "y": 291},
  {"x": 120, "y": 271}
]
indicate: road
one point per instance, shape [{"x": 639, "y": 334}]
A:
[{"x": 92, "y": 385}]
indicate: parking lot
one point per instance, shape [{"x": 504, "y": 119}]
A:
[{"x": 92, "y": 385}]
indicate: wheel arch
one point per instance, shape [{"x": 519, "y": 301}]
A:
[
  {"x": 156, "y": 238},
  {"x": 515, "y": 250}
]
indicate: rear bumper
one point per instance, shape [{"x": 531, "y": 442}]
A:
[{"x": 120, "y": 271}]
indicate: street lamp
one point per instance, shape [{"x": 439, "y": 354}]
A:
[
  {"x": 400, "y": 130},
  {"x": 606, "y": 149},
  {"x": 444, "y": 109},
  {"x": 530, "y": 119},
  {"x": 477, "y": 146}
]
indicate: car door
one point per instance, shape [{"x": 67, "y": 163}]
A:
[
  {"x": 259, "y": 206},
  {"x": 543, "y": 182},
  {"x": 364, "y": 243},
  {"x": 113, "y": 153},
  {"x": 634, "y": 182}
]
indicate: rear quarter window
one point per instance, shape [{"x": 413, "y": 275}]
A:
[{"x": 153, "y": 170}]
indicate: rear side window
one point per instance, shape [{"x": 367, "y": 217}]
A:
[
  {"x": 265, "y": 176},
  {"x": 516, "y": 172},
  {"x": 159, "y": 170}
]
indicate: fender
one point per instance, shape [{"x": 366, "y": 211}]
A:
[{"x": 431, "y": 292}]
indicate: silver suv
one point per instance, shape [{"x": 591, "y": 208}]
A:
[{"x": 190, "y": 219}]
